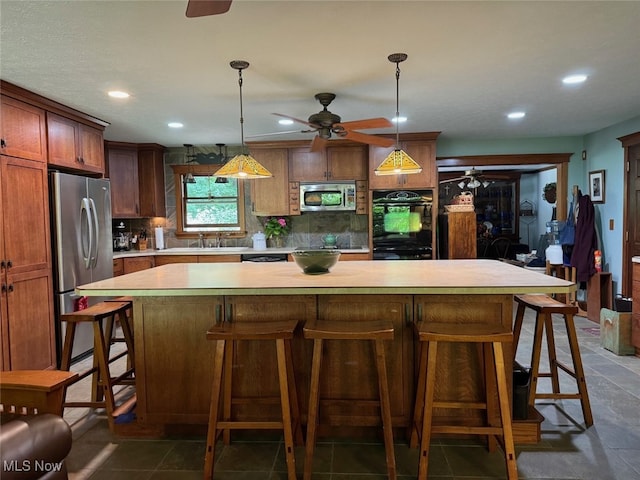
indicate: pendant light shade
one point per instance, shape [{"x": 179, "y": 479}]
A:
[
  {"x": 398, "y": 161},
  {"x": 242, "y": 165}
]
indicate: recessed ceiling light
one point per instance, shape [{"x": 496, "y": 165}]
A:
[
  {"x": 285, "y": 121},
  {"x": 573, "y": 79},
  {"x": 118, "y": 94},
  {"x": 516, "y": 115},
  {"x": 399, "y": 119},
  {"x": 175, "y": 125}
]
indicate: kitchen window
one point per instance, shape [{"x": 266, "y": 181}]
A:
[{"x": 208, "y": 205}]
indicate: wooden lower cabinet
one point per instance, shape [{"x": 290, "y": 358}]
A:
[
  {"x": 135, "y": 264},
  {"x": 118, "y": 267},
  {"x": 174, "y": 360},
  {"x": 635, "y": 316}
]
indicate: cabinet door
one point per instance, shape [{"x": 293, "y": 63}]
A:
[
  {"x": 348, "y": 366},
  {"x": 22, "y": 130},
  {"x": 63, "y": 141},
  {"x": 270, "y": 196},
  {"x": 255, "y": 367},
  {"x": 25, "y": 215},
  {"x": 30, "y": 320},
  {"x": 91, "y": 148},
  {"x": 118, "y": 267},
  {"x": 123, "y": 172},
  {"x": 151, "y": 181},
  {"x": 347, "y": 163},
  {"x": 135, "y": 264},
  {"x": 307, "y": 166}
]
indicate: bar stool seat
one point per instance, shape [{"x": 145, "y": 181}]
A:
[
  {"x": 545, "y": 307},
  {"x": 491, "y": 337},
  {"x": 375, "y": 331},
  {"x": 102, "y": 392},
  {"x": 225, "y": 334}
]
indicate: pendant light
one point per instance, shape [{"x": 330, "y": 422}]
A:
[
  {"x": 242, "y": 165},
  {"x": 398, "y": 161}
]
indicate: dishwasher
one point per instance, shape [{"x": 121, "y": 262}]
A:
[{"x": 263, "y": 257}]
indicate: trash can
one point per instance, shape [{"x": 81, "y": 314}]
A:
[{"x": 521, "y": 386}]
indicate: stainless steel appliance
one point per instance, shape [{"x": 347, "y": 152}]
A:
[
  {"x": 402, "y": 225},
  {"x": 338, "y": 196},
  {"x": 82, "y": 246}
]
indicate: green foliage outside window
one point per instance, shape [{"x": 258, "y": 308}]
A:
[{"x": 211, "y": 206}]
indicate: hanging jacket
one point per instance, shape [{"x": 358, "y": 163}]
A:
[{"x": 586, "y": 240}]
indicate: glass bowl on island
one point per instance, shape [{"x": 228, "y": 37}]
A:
[{"x": 315, "y": 262}]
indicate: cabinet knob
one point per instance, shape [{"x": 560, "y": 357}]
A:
[
  {"x": 3, "y": 144},
  {"x": 2, "y": 264},
  {"x": 3, "y": 289},
  {"x": 9, "y": 264},
  {"x": 10, "y": 288}
]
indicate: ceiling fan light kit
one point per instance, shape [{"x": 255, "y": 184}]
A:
[
  {"x": 398, "y": 161},
  {"x": 242, "y": 165}
]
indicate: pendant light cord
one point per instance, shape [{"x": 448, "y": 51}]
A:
[
  {"x": 241, "y": 112},
  {"x": 397, "y": 105}
]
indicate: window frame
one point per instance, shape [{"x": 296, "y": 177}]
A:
[{"x": 205, "y": 170}]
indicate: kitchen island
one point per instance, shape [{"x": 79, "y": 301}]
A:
[{"x": 175, "y": 304}]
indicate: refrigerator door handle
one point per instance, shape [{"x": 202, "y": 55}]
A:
[
  {"x": 96, "y": 233},
  {"x": 86, "y": 216}
]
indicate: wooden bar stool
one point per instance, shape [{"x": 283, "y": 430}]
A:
[
  {"x": 225, "y": 334},
  {"x": 375, "y": 331},
  {"x": 491, "y": 337},
  {"x": 102, "y": 394},
  {"x": 127, "y": 330},
  {"x": 545, "y": 307}
]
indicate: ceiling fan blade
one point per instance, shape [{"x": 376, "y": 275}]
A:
[
  {"x": 274, "y": 133},
  {"x": 318, "y": 143},
  {"x": 450, "y": 180},
  {"x": 365, "y": 124},
  {"x": 297, "y": 120},
  {"x": 364, "y": 138},
  {"x": 203, "y": 8}
]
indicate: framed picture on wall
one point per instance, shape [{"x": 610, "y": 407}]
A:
[{"x": 597, "y": 186}]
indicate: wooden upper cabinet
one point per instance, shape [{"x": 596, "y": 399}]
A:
[
  {"x": 270, "y": 196},
  {"x": 422, "y": 151},
  {"x": 74, "y": 145},
  {"x": 335, "y": 163},
  {"x": 123, "y": 173},
  {"x": 22, "y": 130},
  {"x": 151, "y": 181},
  {"x": 347, "y": 162}
]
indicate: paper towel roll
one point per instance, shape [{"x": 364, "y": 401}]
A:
[{"x": 159, "y": 238}]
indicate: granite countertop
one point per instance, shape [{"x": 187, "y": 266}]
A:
[
  {"x": 218, "y": 251},
  {"x": 352, "y": 277}
]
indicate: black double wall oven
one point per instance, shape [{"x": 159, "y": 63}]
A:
[{"x": 402, "y": 224}]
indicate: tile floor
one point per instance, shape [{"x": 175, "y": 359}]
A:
[{"x": 609, "y": 450}]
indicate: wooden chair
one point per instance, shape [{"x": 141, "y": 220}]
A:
[
  {"x": 27, "y": 392},
  {"x": 376, "y": 332},
  {"x": 545, "y": 307},
  {"x": 491, "y": 337},
  {"x": 225, "y": 335},
  {"x": 102, "y": 392}
]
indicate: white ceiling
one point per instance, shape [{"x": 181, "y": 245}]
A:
[{"x": 469, "y": 64}]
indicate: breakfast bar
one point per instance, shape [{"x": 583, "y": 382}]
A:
[{"x": 175, "y": 304}]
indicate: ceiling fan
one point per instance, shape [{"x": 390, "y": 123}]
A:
[
  {"x": 471, "y": 179},
  {"x": 203, "y": 8},
  {"x": 326, "y": 123}
]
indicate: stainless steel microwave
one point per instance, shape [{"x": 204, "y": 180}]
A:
[{"x": 327, "y": 197}]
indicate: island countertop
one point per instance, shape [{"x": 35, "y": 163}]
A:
[{"x": 354, "y": 277}]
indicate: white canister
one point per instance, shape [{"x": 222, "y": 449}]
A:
[
  {"x": 259, "y": 241},
  {"x": 553, "y": 254}
]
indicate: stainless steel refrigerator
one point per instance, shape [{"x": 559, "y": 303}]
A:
[{"x": 82, "y": 247}]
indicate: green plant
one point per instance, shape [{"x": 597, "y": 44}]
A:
[{"x": 276, "y": 226}]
